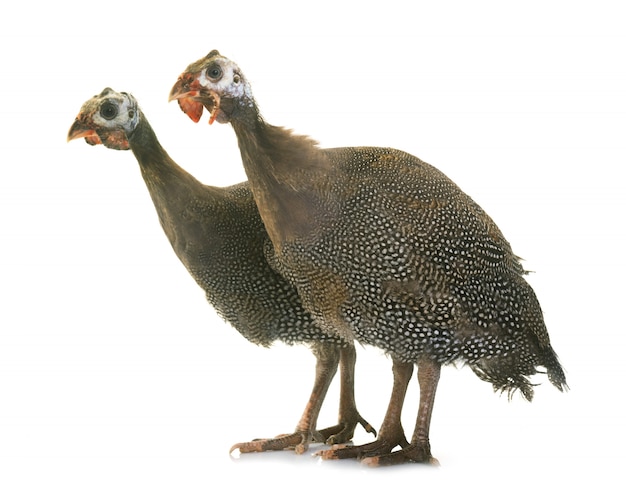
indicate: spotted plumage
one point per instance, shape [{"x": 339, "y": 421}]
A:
[
  {"x": 427, "y": 271},
  {"x": 384, "y": 248}
]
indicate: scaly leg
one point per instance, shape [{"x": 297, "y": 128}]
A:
[
  {"x": 418, "y": 451},
  {"x": 328, "y": 357},
  {"x": 349, "y": 416},
  {"x": 391, "y": 432}
]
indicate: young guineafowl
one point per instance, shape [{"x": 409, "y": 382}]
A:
[
  {"x": 219, "y": 237},
  {"x": 386, "y": 249}
]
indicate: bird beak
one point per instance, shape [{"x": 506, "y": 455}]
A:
[
  {"x": 186, "y": 87},
  {"x": 80, "y": 130}
]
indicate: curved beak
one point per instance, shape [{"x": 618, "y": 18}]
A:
[
  {"x": 186, "y": 87},
  {"x": 80, "y": 130}
]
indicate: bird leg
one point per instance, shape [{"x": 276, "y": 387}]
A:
[
  {"x": 418, "y": 451},
  {"x": 328, "y": 357},
  {"x": 349, "y": 416},
  {"x": 391, "y": 432}
]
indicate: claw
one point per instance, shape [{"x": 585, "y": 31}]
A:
[
  {"x": 249, "y": 447},
  {"x": 367, "y": 427}
]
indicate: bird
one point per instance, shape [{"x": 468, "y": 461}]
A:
[
  {"x": 384, "y": 249},
  {"x": 218, "y": 235}
]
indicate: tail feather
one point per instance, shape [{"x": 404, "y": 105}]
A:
[
  {"x": 512, "y": 374},
  {"x": 556, "y": 374},
  {"x": 505, "y": 383}
]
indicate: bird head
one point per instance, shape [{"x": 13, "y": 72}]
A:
[
  {"x": 108, "y": 118},
  {"x": 215, "y": 83}
]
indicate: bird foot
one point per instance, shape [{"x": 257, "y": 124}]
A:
[
  {"x": 414, "y": 453},
  {"x": 344, "y": 431},
  {"x": 380, "y": 447},
  {"x": 298, "y": 441}
]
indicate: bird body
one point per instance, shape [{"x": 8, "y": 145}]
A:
[
  {"x": 384, "y": 248},
  {"x": 420, "y": 270},
  {"x": 219, "y": 237}
]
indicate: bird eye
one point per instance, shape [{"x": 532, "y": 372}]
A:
[
  {"x": 108, "y": 111},
  {"x": 214, "y": 72}
]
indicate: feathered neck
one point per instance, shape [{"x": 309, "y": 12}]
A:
[
  {"x": 287, "y": 173},
  {"x": 170, "y": 187},
  {"x": 145, "y": 144},
  {"x": 154, "y": 161}
]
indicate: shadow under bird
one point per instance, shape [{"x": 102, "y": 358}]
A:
[
  {"x": 385, "y": 249},
  {"x": 219, "y": 237}
]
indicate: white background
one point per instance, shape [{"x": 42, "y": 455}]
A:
[{"x": 113, "y": 369}]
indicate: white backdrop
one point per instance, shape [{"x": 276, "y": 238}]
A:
[{"x": 113, "y": 369}]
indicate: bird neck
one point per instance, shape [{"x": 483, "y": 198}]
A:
[
  {"x": 158, "y": 169},
  {"x": 170, "y": 187},
  {"x": 287, "y": 173}
]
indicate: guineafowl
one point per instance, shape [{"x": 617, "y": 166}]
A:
[
  {"x": 385, "y": 249},
  {"x": 218, "y": 236}
]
